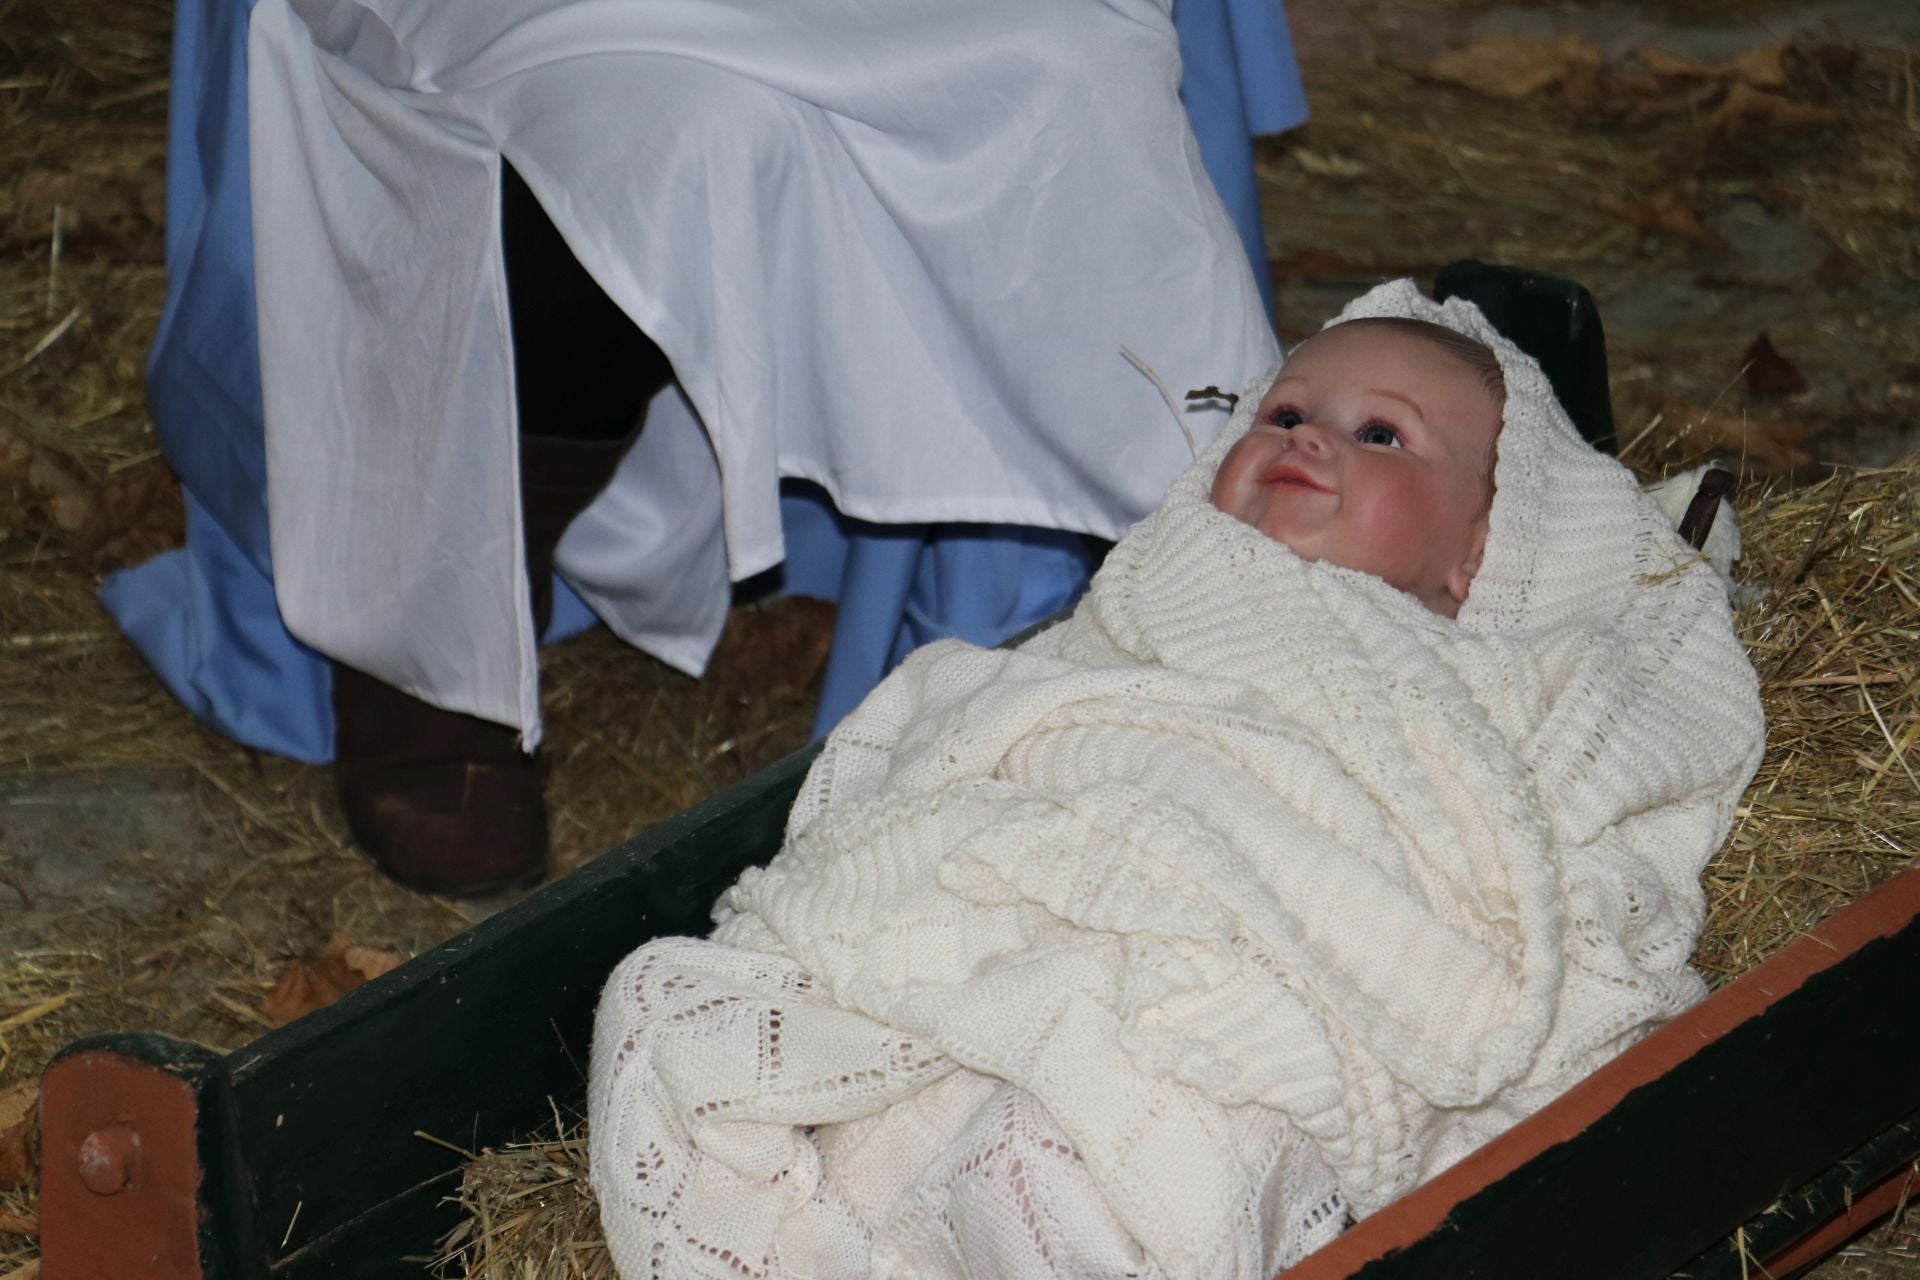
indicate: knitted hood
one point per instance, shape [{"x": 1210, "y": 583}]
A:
[
  {"x": 1620, "y": 632},
  {"x": 1570, "y": 532}
]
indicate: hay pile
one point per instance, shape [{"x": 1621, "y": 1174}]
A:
[
  {"x": 1834, "y": 630},
  {"x": 531, "y": 1214},
  {"x": 1835, "y": 808}
]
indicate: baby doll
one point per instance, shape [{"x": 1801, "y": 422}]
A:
[{"x": 1356, "y": 813}]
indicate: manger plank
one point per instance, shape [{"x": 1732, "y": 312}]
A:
[
  {"x": 1773, "y": 1239},
  {"x": 468, "y": 1043},
  {"x": 1689, "y": 1134},
  {"x": 396, "y": 1238},
  {"x": 1859, "y": 1215},
  {"x": 138, "y": 1165}
]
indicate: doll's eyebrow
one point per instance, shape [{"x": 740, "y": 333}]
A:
[
  {"x": 1375, "y": 391},
  {"x": 1395, "y": 395}
]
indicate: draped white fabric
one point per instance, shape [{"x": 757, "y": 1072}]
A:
[
  {"x": 892, "y": 247},
  {"x": 1252, "y": 893}
]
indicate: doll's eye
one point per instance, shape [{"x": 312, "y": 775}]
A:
[
  {"x": 1378, "y": 433},
  {"x": 1285, "y": 418}
]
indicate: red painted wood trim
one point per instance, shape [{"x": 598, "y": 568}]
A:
[
  {"x": 1865, "y": 1210},
  {"x": 119, "y": 1171},
  {"x": 1879, "y": 914}
]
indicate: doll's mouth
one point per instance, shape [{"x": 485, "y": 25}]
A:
[{"x": 1287, "y": 477}]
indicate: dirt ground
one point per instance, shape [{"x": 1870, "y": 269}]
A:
[{"x": 1738, "y": 183}]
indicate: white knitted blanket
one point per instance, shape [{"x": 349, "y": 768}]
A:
[{"x": 1248, "y": 897}]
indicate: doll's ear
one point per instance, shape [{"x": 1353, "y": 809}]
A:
[{"x": 1460, "y": 577}]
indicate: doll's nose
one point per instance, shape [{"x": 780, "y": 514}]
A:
[{"x": 1310, "y": 437}]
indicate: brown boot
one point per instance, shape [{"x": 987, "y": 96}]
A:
[{"x": 445, "y": 802}]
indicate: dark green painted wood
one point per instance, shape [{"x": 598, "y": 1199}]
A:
[
  {"x": 469, "y": 1042},
  {"x": 1796, "y": 1216},
  {"x": 374, "y": 1245},
  {"x": 1684, "y": 1159}
]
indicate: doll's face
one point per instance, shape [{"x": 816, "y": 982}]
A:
[{"x": 1373, "y": 451}]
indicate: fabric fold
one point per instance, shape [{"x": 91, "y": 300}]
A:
[{"x": 868, "y": 239}]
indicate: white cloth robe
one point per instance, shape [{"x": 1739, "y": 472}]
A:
[{"x": 893, "y": 248}]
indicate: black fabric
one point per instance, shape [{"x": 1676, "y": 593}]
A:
[
  {"x": 583, "y": 370},
  {"x": 1552, "y": 319}
]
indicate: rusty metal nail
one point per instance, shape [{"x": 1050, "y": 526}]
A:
[{"x": 109, "y": 1159}]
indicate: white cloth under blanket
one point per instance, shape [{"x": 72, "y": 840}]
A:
[
  {"x": 1249, "y": 896},
  {"x": 894, "y": 248}
]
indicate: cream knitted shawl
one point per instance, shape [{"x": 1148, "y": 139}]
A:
[{"x": 1248, "y": 897}]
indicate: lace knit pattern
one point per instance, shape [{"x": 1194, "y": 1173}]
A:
[{"x": 1245, "y": 899}]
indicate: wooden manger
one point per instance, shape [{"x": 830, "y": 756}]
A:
[
  {"x": 1786, "y": 1107},
  {"x": 1762, "y": 1128}
]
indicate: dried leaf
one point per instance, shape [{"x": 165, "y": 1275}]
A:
[
  {"x": 1767, "y": 443},
  {"x": 321, "y": 976},
  {"x": 1660, "y": 62},
  {"x": 1671, "y": 211},
  {"x": 1769, "y": 373},
  {"x": 1746, "y": 107},
  {"x": 300, "y": 989},
  {"x": 110, "y": 210},
  {"x": 24, "y": 1225},
  {"x": 1764, "y": 67},
  {"x": 35, "y": 484},
  {"x": 1632, "y": 98},
  {"x": 1588, "y": 93},
  {"x": 1512, "y": 67},
  {"x": 133, "y": 516},
  {"x": 130, "y": 517},
  {"x": 1665, "y": 84},
  {"x": 66, "y": 506},
  {"x": 371, "y": 963},
  {"x": 770, "y": 654},
  {"x": 19, "y": 1109}
]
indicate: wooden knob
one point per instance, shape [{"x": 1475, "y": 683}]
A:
[{"x": 109, "y": 1159}]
